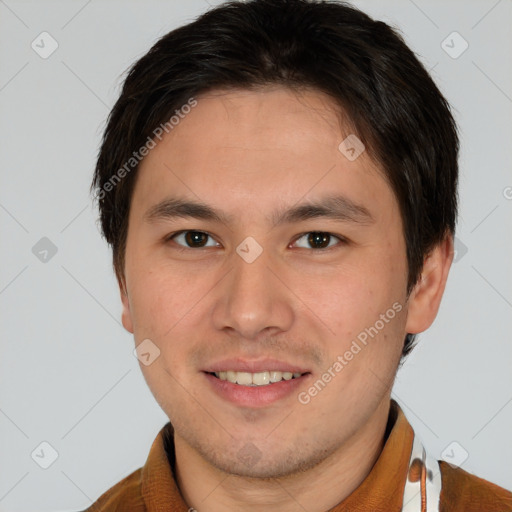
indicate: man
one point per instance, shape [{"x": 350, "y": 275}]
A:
[{"x": 278, "y": 181}]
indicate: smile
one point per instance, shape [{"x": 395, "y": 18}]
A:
[{"x": 263, "y": 378}]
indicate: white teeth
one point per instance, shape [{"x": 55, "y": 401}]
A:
[
  {"x": 255, "y": 379},
  {"x": 243, "y": 378},
  {"x": 276, "y": 376},
  {"x": 260, "y": 379}
]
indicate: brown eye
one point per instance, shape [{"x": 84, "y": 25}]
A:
[
  {"x": 196, "y": 238},
  {"x": 317, "y": 240},
  {"x": 193, "y": 239}
]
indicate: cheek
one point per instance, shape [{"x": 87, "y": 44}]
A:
[
  {"x": 363, "y": 306},
  {"x": 352, "y": 296},
  {"x": 158, "y": 301},
  {"x": 170, "y": 307},
  {"x": 162, "y": 304}
]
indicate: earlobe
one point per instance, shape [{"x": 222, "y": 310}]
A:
[
  {"x": 126, "y": 316},
  {"x": 426, "y": 295}
]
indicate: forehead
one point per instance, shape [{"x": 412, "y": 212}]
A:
[
  {"x": 259, "y": 147},
  {"x": 266, "y": 119}
]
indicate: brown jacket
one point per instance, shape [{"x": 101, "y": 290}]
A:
[{"x": 152, "y": 488}]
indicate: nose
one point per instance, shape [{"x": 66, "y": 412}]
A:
[{"x": 253, "y": 298}]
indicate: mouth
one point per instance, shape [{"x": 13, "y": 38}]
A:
[
  {"x": 255, "y": 384},
  {"x": 263, "y": 378}
]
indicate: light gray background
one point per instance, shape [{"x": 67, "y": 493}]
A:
[{"x": 67, "y": 372}]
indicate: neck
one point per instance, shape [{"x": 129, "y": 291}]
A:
[{"x": 318, "y": 489}]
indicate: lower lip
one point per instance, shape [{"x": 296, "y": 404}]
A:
[{"x": 255, "y": 396}]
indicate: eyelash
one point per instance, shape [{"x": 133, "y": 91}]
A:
[{"x": 342, "y": 240}]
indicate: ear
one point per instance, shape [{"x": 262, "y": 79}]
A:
[
  {"x": 126, "y": 316},
  {"x": 426, "y": 295}
]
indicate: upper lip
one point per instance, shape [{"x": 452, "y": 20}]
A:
[{"x": 254, "y": 366}]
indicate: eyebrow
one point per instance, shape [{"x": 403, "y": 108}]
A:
[{"x": 334, "y": 207}]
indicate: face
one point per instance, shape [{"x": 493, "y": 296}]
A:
[{"x": 258, "y": 252}]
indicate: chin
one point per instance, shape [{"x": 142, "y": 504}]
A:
[{"x": 251, "y": 462}]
